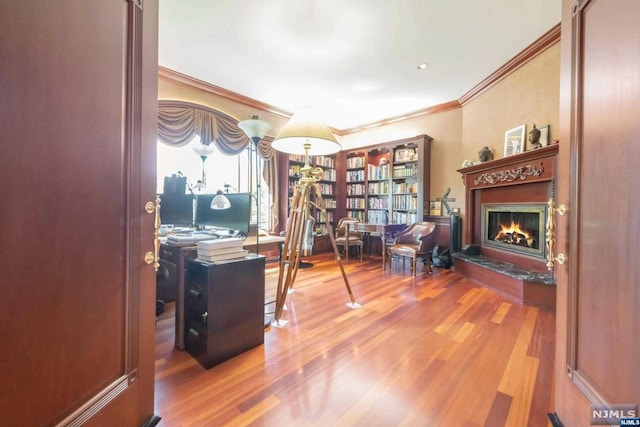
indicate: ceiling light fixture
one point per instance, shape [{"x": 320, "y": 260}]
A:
[{"x": 422, "y": 66}]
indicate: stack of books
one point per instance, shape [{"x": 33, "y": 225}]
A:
[
  {"x": 221, "y": 249},
  {"x": 187, "y": 239}
]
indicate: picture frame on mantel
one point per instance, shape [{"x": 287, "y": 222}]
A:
[
  {"x": 545, "y": 135},
  {"x": 514, "y": 141}
]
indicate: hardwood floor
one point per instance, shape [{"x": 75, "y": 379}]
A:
[{"x": 435, "y": 350}]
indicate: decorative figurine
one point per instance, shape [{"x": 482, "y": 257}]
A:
[
  {"x": 485, "y": 154},
  {"x": 534, "y": 138}
]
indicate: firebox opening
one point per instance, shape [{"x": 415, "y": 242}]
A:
[{"x": 515, "y": 227}]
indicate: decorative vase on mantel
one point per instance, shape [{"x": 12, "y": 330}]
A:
[{"x": 485, "y": 154}]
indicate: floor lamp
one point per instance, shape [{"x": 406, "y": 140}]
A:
[
  {"x": 305, "y": 134},
  {"x": 204, "y": 151},
  {"x": 255, "y": 129}
]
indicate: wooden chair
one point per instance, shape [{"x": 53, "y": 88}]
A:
[
  {"x": 346, "y": 238},
  {"x": 414, "y": 242}
]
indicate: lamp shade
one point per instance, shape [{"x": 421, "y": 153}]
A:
[
  {"x": 255, "y": 128},
  {"x": 203, "y": 150},
  {"x": 220, "y": 201},
  {"x": 306, "y": 127}
]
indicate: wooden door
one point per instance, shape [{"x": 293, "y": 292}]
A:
[
  {"x": 78, "y": 118},
  {"x": 598, "y": 308}
]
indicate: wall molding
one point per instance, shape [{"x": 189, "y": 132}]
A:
[
  {"x": 184, "y": 79},
  {"x": 440, "y": 108},
  {"x": 547, "y": 40}
]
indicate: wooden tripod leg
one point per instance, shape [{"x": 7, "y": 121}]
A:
[
  {"x": 320, "y": 204},
  {"x": 285, "y": 259},
  {"x": 291, "y": 249},
  {"x": 299, "y": 233}
]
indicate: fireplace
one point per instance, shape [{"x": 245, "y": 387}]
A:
[
  {"x": 505, "y": 225},
  {"x": 515, "y": 227}
]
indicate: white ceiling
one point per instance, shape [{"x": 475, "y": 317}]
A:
[{"x": 354, "y": 61}]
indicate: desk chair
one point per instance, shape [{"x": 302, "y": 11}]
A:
[
  {"x": 346, "y": 238},
  {"x": 414, "y": 242}
]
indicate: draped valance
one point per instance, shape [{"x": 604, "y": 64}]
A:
[{"x": 179, "y": 122}]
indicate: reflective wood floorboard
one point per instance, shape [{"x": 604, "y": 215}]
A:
[{"x": 435, "y": 350}]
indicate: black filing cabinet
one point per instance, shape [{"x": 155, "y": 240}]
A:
[{"x": 224, "y": 308}]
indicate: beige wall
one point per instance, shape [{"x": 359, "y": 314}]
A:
[{"x": 528, "y": 95}]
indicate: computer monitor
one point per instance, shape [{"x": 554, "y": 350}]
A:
[
  {"x": 176, "y": 209},
  {"x": 236, "y": 218}
]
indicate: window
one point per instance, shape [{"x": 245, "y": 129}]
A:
[{"x": 220, "y": 170}]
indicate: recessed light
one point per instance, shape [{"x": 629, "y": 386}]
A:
[{"x": 422, "y": 66}]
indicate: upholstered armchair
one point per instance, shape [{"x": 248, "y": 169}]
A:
[
  {"x": 347, "y": 238},
  {"x": 414, "y": 242}
]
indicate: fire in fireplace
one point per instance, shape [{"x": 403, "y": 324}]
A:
[{"x": 515, "y": 227}]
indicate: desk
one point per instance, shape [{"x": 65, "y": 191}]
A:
[
  {"x": 173, "y": 261},
  {"x": 384, "y": 231},
  {"x": 264, "y": 243}
]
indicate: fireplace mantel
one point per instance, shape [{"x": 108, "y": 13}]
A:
[
  {"x": 530, "y": 166},
  {"x": 484, "y": 181}
]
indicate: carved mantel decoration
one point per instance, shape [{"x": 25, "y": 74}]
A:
[{"x": 508, "y": 175}]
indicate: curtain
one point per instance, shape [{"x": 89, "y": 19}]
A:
[{"x": 179, "y": 122}]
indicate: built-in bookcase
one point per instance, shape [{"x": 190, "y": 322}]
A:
[
  {"x": 355, "y": 200},
  {"x": 388, "y": 183}
]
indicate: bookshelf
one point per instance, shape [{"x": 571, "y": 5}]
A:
[
  {"x": 388, "y": 183},
  {"x": 355, "y": 197}
]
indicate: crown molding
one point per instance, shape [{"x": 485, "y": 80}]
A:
[
  {"x": 218, "y": 91},
  {"x": 534, "y": 49},
  {"x": 541, "y": 44},
  {"x": 451, "y": 105}
]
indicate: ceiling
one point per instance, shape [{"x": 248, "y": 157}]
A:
[{"x": 354, "y": 61}]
